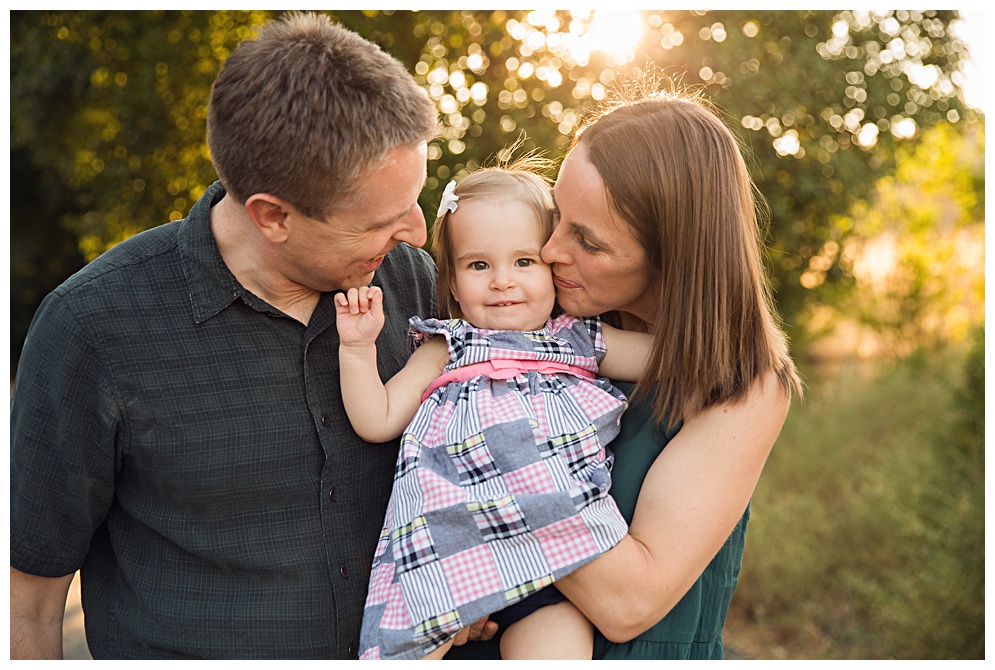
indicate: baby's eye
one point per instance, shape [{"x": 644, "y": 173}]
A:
[
  {"x": 524, "y": 262},
  {"x": 478, "y": 265}
]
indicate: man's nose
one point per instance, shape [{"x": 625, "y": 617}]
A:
[{"x": 412, "y": 229}]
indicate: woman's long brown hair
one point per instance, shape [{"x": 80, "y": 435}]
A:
[{"x": 674, "y": 171}]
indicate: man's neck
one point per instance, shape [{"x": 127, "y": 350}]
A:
[{"x": 255, "y": 262}]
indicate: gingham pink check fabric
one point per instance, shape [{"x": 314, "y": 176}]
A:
[{"x": 500, "y": 486}]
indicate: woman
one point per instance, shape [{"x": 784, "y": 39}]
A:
[
  {"x": 657, "y": 223},
  {"x": 657, "y": 228}
]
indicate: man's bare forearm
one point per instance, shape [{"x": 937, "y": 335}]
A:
[{"x": 37, "y": 609}]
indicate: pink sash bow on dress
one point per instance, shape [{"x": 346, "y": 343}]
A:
[{"x": 504, "y": 369}]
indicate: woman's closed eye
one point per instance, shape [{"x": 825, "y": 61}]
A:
[{"x": 585, "y": 245}]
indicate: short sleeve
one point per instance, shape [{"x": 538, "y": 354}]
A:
[
  {"x": 422, "y": 330},
  {"x": 584, "y": 332},
  {"x": 63, "y": 433}
]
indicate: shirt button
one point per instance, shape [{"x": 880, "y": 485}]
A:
[
  {"x": 331, "y": 494},
  {"x": 352, "y": 649},
  {"x": 325, "y": 421},
  {"x": 344, "y": 571}
]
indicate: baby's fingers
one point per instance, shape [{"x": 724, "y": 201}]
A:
[
  {"x": 352, "y": 300},
  {"x": 359, "y": 300},
  {"x": 366, "y": 294},
  {"x": 375, "y": 297}
]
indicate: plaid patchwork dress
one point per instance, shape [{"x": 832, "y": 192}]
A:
[{"x": 500, "y": 486}]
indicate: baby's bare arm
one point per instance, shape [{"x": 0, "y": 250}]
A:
[
  {"x": 379, "y": 412},
  {"x": 627, "y": 353}
]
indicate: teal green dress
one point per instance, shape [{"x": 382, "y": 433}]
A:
[{"x": 693, "y": 628}]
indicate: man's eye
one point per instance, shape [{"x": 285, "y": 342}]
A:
[
  {"x": 524, "y": 262},
  {"x": 478, "y": 265},
  {"x": 556, "y": 216}
]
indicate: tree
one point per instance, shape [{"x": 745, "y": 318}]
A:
[
  {"x": 822, "y": 99},
  {"x": 108, "y": 108},
  {"x": 917, "y": 250}
]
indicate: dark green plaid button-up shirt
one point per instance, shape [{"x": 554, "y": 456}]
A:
[{"x": 184, "y": 444}]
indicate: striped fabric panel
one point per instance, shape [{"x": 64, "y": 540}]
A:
[
  {"x": 604, "y": 523},
  {"x": 407, "y": 498},
  {"x": 520, "y": 560},
  {"x": 426, "y": 592}
]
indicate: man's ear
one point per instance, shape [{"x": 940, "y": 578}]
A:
[{"x": 269, "y": 213}]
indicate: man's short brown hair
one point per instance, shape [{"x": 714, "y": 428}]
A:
[{"x": 302, "y": 111}]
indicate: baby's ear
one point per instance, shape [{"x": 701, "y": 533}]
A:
[{"x": 452, "y": 289}]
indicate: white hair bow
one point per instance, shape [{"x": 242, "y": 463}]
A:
[{"x": 448, "y": 199}]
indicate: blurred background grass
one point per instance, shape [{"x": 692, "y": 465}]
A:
[{"x": 867, "y": 537}]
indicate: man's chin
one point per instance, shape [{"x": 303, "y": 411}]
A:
[{"x": 354, "y": 281}]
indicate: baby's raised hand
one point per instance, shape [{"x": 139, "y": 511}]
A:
[{"x": 359, "y": 315}]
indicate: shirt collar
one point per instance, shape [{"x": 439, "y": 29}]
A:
[{"x": 211, "y": 284}]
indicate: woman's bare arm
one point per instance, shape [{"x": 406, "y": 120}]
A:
[{"x": 692, "y": 498}]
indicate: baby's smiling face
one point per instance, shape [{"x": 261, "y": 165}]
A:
[{"x": 499, "y": 280}]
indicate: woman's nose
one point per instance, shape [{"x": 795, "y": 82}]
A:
[{"x": 551, "y": 252}]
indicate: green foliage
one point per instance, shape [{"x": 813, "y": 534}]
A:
[
  {"x": 108, "y": 107},
  {"x": 917, "y": 250},
  {"x": 113, "y": 104},
  {"x": 822, "y": 100},
  {"x": 869, "y": 519}
]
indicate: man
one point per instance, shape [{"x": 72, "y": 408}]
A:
[{"x": 177, "y": 433}]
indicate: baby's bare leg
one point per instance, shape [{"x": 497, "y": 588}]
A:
[{"x": 553, "y": 632}]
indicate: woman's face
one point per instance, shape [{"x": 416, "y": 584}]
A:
[{"x": 598, "y": 265}]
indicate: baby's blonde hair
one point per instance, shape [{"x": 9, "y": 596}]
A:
[{"x": 525, "y": 179}]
